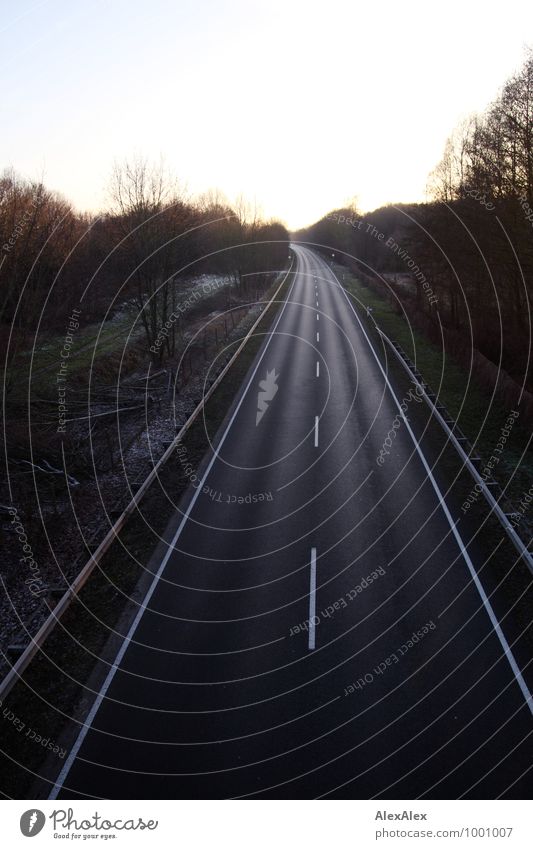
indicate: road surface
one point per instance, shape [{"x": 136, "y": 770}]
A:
[{"x": 316, "y": 627}]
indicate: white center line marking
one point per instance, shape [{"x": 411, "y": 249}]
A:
[
  {"x": 312, "y": 600},
  {"x": 317, "y": 317},
  {"x": 317, "y": 368},
  {"x": 316, "y": 431},
  {"x": 318, "y": 337}
]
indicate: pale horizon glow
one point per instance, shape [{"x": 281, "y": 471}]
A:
[{"x": 299, "y": 106}]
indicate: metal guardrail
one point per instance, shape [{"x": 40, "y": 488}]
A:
[
  {"x": 462, "y": 446},
  {"x": 49, "y": 624}
]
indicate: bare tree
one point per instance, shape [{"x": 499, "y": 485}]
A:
[{"x": 151, "y": 214}]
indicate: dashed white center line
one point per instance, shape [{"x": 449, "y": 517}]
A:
[
  {"x": 317, "y": 317},
  {"x": 312, "y": 600},
  {"x": 317, "y": 368},
  {"x": 316, "y": 431},
  {"x": 318, "y": 337}
]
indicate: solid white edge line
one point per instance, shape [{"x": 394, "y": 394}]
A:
[
  {"x": 488, "y": 607},
  {"x": 316, "y": 431},
  {"x": 312, "y": 600},
  {"x": 514, "y": 537},
  {"x": 123, "y": 648}
]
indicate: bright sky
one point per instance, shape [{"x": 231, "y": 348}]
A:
[{"x": 299, "y": 104}]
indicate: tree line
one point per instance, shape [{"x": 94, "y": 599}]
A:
[
  {"x": 471, "y": 244},
  {"x": 142, "y": 248}
]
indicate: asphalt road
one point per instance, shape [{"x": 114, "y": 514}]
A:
[{"x": 275, "y": 656}]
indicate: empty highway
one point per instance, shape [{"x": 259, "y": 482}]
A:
[{"x": 316, "y": 626}]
